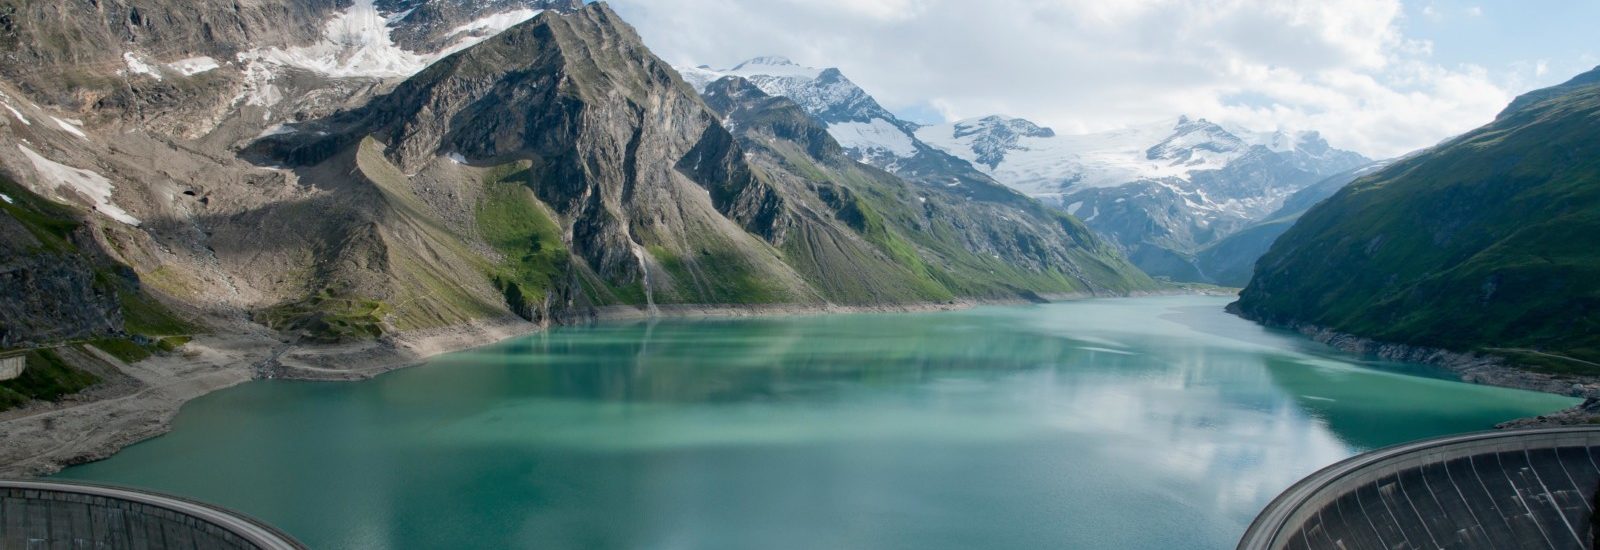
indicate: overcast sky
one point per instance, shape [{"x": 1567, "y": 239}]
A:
[{"x": 1382, "y": 77}]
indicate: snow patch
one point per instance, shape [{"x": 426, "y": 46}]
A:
[
  {"x": 194, "y": 65},
  {"x": 71, "y": 127},
  {"x": 14, "y": 112},
  {"x": 774, "y": 66},
  {"x": 700, "y": 77},
  {"x": 138, "y": 66},
  {"x": 495, "y": 24},
  {"x": 457, "y": 158},
  {"x": 276, "y": 130},
  {"x": 90, "y": 185},
  {"x": 7, "y": 198},
  {"x": 258, "y": 89},
  {"x": 356, "y": 43},
  {"x": 877, "y": 135}
]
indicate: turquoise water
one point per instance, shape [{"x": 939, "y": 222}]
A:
[{"x": 1132, "y": 423}]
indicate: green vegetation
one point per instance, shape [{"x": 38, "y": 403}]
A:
[
  {"x": 718, "y": 277},
  {"x": 47, "y": 377},
  {"x": 50, "y": 223},
  {"x": 172, "y": 343},
  {"x": 122, "y": 348},
  {"x": 518, "y": 227},
  {"x": 1485, "y": 243},
  {"x": 329, "y": 319},
  {"x": 144, "y": 315}
]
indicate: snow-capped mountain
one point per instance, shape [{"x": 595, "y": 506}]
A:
[
  {"x": 1160, "y": 191},
  {"x": 867, "y": 131},
  {"x": 1039, "y": 162}
]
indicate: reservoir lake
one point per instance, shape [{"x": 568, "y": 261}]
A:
[{"x": 1158, "y": 422}]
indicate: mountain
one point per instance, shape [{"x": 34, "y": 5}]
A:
[
  {"x": 423, "y": 168},
  {"x": 1231, "y": 261},
  {"x": 956, "y": 243},
  {"x": 1484, "y": 243},
  {"x": 868, "y": 132},
  {"x": 865, "y": 129},
  {"x": 1160, "y": 191}
]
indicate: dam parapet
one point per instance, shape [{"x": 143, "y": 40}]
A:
[{"x": 1506, "y": 489}]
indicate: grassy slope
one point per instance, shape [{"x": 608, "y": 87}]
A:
[
  {"x": 47, "y": 377},
  {"x": 1488, "y": 241},
  {"x": 404, "y": 270},
  {"x": 524, "y": 232}
]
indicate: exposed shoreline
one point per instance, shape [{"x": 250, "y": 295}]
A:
[
  {"x": 141, "y": 401},
  {"x": 1473, "y": 368}
]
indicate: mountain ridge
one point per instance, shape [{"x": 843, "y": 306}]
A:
[{"x": 1483, "y": 244}]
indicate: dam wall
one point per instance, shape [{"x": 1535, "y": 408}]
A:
[
  {"x": 11, "y": 367},
  {"x": 42, "y": 514},
  {"x": 1526, "y": 489}
]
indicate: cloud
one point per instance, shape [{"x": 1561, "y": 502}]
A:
[{"x": 1343, "y": 67}]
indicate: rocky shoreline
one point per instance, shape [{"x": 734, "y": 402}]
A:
[{"x": 1477, "y": 369}]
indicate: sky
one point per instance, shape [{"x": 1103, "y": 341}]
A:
[{"x": 1381, "y": 77}]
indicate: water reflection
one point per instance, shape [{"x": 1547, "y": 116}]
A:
[{"x": 1149, "y": 423}]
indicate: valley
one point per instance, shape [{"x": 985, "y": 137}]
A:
[{"x": 517, "y": 273}]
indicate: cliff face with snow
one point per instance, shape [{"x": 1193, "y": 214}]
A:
[{"x": 868, "y": 132}]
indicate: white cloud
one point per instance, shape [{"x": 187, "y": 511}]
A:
[{"x": 1340, "y": 66}]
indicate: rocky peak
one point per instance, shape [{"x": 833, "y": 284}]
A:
[
  {"x": 1192, "y": 139},
  {"x": 609, "y": 125},
  {"x": 745, "y": 107},
  {"x": 992, "y": 137}
]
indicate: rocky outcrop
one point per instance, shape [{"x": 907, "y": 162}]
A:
[
  {"x": 50, "y": 298},
  {"x": 54, "y": 283}
]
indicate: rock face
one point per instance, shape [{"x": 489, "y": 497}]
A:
[
  {"x": 1484, "y": 243},
  {"x": 55, "y": 284},
  {"x": 993, "y": 137},
  {"x": 1160, "y": 192},
  {"x": 395, "y": 167}
]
